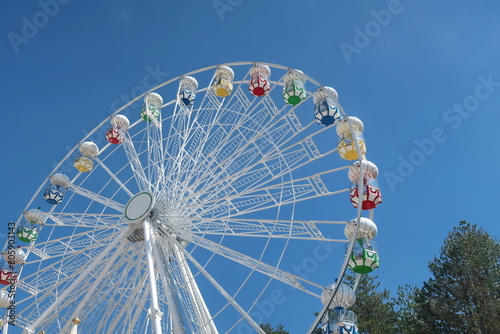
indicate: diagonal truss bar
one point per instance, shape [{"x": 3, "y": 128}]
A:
[
  {"x": 266, "y": 228},
  {"x": 247, "y": 178},
  {"x": 88, "y": 220},
  {"x": 249, "y": 262},
  {"x": 113, "y": 176},
  {"x": 96, "y": 197},
  {"x": 57, "y": 246},
  {"x": 156, "y": 168},
  {"x": 267, "y": 197},
  {"x": 135, "y": 164}
]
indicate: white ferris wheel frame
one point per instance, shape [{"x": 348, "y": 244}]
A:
[{"x": 152, "y": 251}]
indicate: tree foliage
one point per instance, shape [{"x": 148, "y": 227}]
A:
[
  {"x": 270, "y": 330},
  {"x": 463, "y": 293},
  {"x": 405, "y": 309},
  {"x": 373, "y": 306}
]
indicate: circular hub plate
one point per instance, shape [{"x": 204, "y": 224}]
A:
[{"x": 139, "y": 206}]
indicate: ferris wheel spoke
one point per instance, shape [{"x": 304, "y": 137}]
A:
[
  {"x": 247, "y": 180},
  {"x": 129, "y": 302},
  {"x": 197, "y": 317},
  {"x": 95, "y": 284},
  {"x": 245, "y": 174},
  {"x": 58, "y": 246},
  {"x": 178, "y": 132},
  {"x": 223, "y": 292},
  {"x": 97, "y": 198},
  {"x": 135, "y": 164},
  {"x": 262, "y": 228},
  {"x": 109, "y": 300},
  {"x": 113, "y": 176},
  {"x": 230, "y": 133},
  {"x": 248, "y": 135},
  {"x": 271, "y": 196},
  {"x": 117, "y": 286},
  {"x": 133, "y": 315},
  {"x": 132, "y": 306},
  {"x": 196, "y": 136},
  {"x": 278, "y": 132},
  {"x": 183, "y": 284},
  {"x": 64, "y": 265},
  {"x": 59, "y": 251},
  {"x": 216, "y": 132},
  {"x": 249, "y": 262},
  {"x": 209, "y": 129},
  {"x": 86, "y": 220},
  {"x": 78, "y": 280},
  {"x": 156, "y": 168}
]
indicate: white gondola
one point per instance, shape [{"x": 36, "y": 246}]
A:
[
  {"x": 223, "y": 81},
  {"x": 294, "y": 90},
  {"x": 259, "y": 80},
  {"x": 187, "y": 90},
  {"x": 326, "y": 110}
]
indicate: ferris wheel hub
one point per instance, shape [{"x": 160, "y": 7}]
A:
[{"x": 139, "y": 206}]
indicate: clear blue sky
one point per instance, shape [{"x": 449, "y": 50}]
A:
[{"x": 424, "y": 76}]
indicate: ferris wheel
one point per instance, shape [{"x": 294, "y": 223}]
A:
[{"x": 178, "y": 211}]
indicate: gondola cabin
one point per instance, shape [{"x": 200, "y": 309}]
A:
[
  {"x": 27, "y": 232},
  {"x": 113, "y": 136},
  {"x": 363, "y": 259},
  {"x": 7, "y": 275},
  {"x": 294, "y": 91},
  {"x": 187, "y": 90},
  {"x": 259, "y": 80},
  {"x": 223, "y": 81},
  {"x": 83, "y": 164},
  {"x": 371, "y": 196}
]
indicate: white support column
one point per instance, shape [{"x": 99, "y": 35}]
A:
[
  {"x": 155, "y": 310},
  {"x": 195, "y": 293},
  {"x": 226, "y": 295},
  {"x": 173, "y": 310}
]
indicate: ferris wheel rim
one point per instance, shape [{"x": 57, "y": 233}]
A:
[{"x": 99, "y": 126}]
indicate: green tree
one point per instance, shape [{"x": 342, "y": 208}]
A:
[
  {"x": 406, "y": 310},
  {"x": 463, "y": 293},
  {"x": 270, "y": 330},
  {"x": 373, "y": 306}
]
